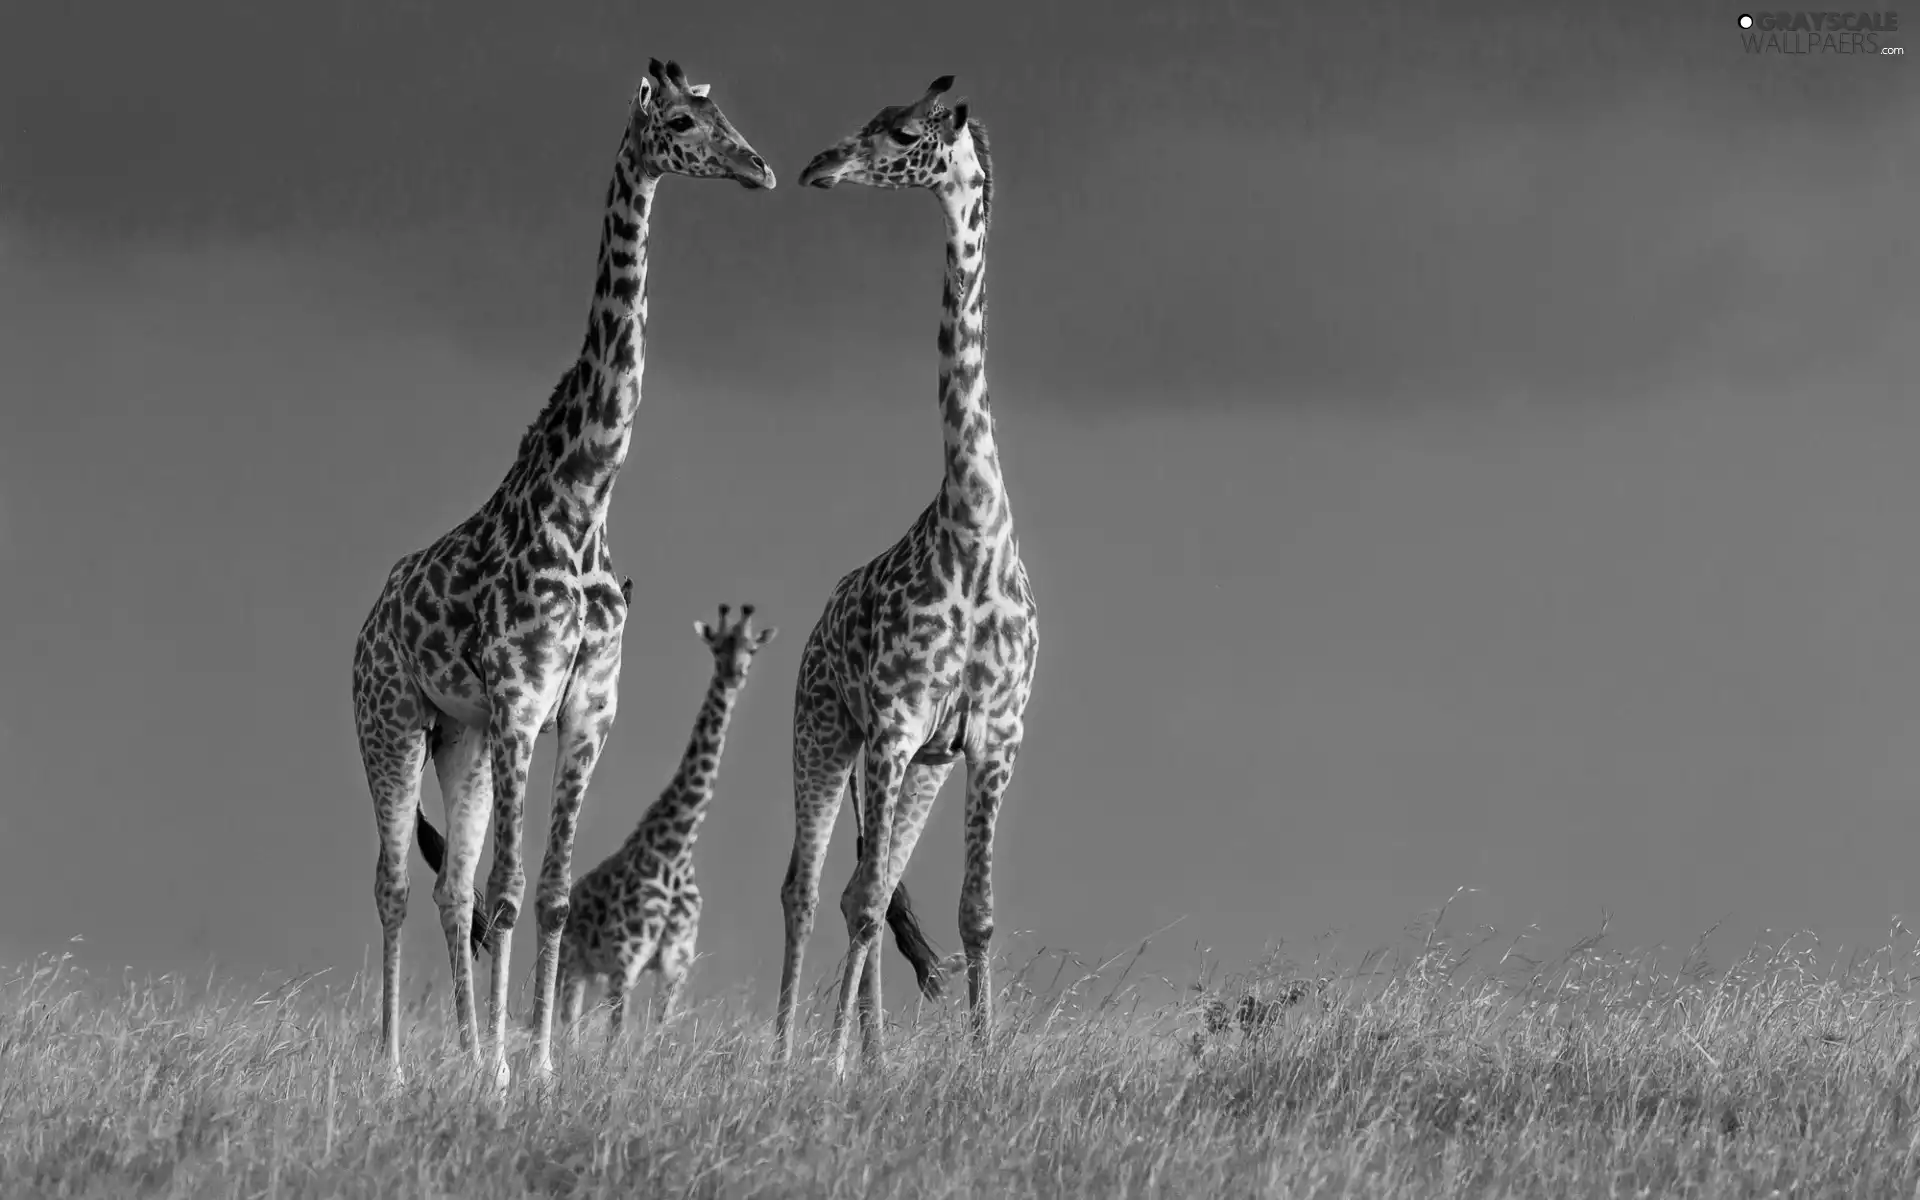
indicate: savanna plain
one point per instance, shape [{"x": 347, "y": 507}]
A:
[{"x": 1451, "y": 1065}]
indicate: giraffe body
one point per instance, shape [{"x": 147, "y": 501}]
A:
[
  {"x": 924, "y": 656},
  {"x": 511, "y": 623}
]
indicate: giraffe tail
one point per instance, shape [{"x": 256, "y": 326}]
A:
[
  {"x": 913, "y": 944},
  {"x": 907, "y": 934},
  {"x": 433, "y": 848}
]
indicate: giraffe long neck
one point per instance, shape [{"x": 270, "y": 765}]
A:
[
  {"x": 973, "y": 496},
  {"x": 683, "y": 805},
  {"x": 579, "y": 443}
]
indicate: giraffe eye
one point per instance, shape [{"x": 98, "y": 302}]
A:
[
  {"x": 902, "y": 138},
  {"x": 680, "y": 124}
]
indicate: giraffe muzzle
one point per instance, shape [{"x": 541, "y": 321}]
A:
[
  {"x": 824, "y": 171},
  {"x": 751, "y": 171}
]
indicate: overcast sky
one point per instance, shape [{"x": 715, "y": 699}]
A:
[{"x": 1449, "y": 450}]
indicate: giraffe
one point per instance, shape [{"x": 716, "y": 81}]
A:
[
  {"x": 926, "y": 654},
  {"x": 511, "y": 623},
  {"x": 640, "y": 908}
]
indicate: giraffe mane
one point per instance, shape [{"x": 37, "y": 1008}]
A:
[{"x": 984, "y": 152}]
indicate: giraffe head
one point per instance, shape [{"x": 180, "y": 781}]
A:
[
  {"x": 734, "y": 643},
  {"x": 920, "y": 145},
  {"x": 674, "y": 129}
]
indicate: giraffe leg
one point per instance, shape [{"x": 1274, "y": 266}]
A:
[
  {"x": 466, "y": 786},
  {"x": 824, "y": 744},
  {"x": 585, "y": 719},
  {"x": 620, "y": 981},
  {"x": 387, "y": 712},
  {"x": 872, "y": 1011},
  {"x": 864, "y": 901},
  {"x": 570, "y": 990},
  {"x": 675, "y": 956},
  {"x": 987, "y": 780},
  {"x": 917, "y": 794},
  {"x": 510, "y": 746},
  {"x": 618, "y": 985},
  {"x": 573, "y": 1002}
]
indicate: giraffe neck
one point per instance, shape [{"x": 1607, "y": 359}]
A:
[
  {"x": 973, "y": 496},
  {"x": 683, "y": 805},
  {"x": 574, "y": 451}
]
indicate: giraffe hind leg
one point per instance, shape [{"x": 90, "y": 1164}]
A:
[
  {"x": 466, "y": 786},
  {"x": 923, "y": 783},
  {"x": 510, "y": 750},
  {"x": 387, "y": 716},
  {"x": 987, "y": 780},
  {"x": 433, "y": 847},
  {"x": 917, "y": 793},
  {"x": 825, "y": 743},
  {"x": 863, "y": 903}
]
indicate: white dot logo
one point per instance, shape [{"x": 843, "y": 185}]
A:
[{"x": 1746, "y": 21}]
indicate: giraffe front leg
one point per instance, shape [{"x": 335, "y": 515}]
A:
[
  {"x": 466, "y": 787},
  {"x": 676, "y": 954},
  {"x": 987, "y": 780},
  {"x": 864, "y": 901},
  {"x": 586, "y": 718},
  {"x": 626, "y": 972}
]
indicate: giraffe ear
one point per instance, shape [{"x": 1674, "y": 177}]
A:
[
  {"x": 959, "y": 117},
  {"x": 704, "y": 630},
  {"x": 642, "y": 95},
  {"x": 766, "y": 635},
  {"x": 699, "y": 90}
]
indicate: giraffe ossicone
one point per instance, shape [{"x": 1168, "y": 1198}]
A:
[
  {"x": 925, "y": 655},
  {"x": 510, "y": 624}
]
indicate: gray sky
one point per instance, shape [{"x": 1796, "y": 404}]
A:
[{"x": 1448, "y": 450}]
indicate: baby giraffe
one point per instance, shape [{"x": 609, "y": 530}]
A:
[{"x": 640, "y": 907}]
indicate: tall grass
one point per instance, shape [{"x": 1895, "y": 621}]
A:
[{"x": 1443, "y": 1069}]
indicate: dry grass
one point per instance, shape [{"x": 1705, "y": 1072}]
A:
[{"x": 1431, "y": 1073}]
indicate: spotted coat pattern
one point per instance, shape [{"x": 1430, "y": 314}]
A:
[
  {"x": 925, "y": 655},
  {"x": 511, "y": 623}
]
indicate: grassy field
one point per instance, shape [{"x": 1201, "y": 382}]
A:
[{"x": 1435, "y": 1071}]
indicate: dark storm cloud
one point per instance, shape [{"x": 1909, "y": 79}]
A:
[{"x": 1199, "y": 204}]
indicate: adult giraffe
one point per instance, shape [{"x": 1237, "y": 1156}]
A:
[
  {"x": 926, "y": 654},
  {"x": 512, "y": 621}
]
